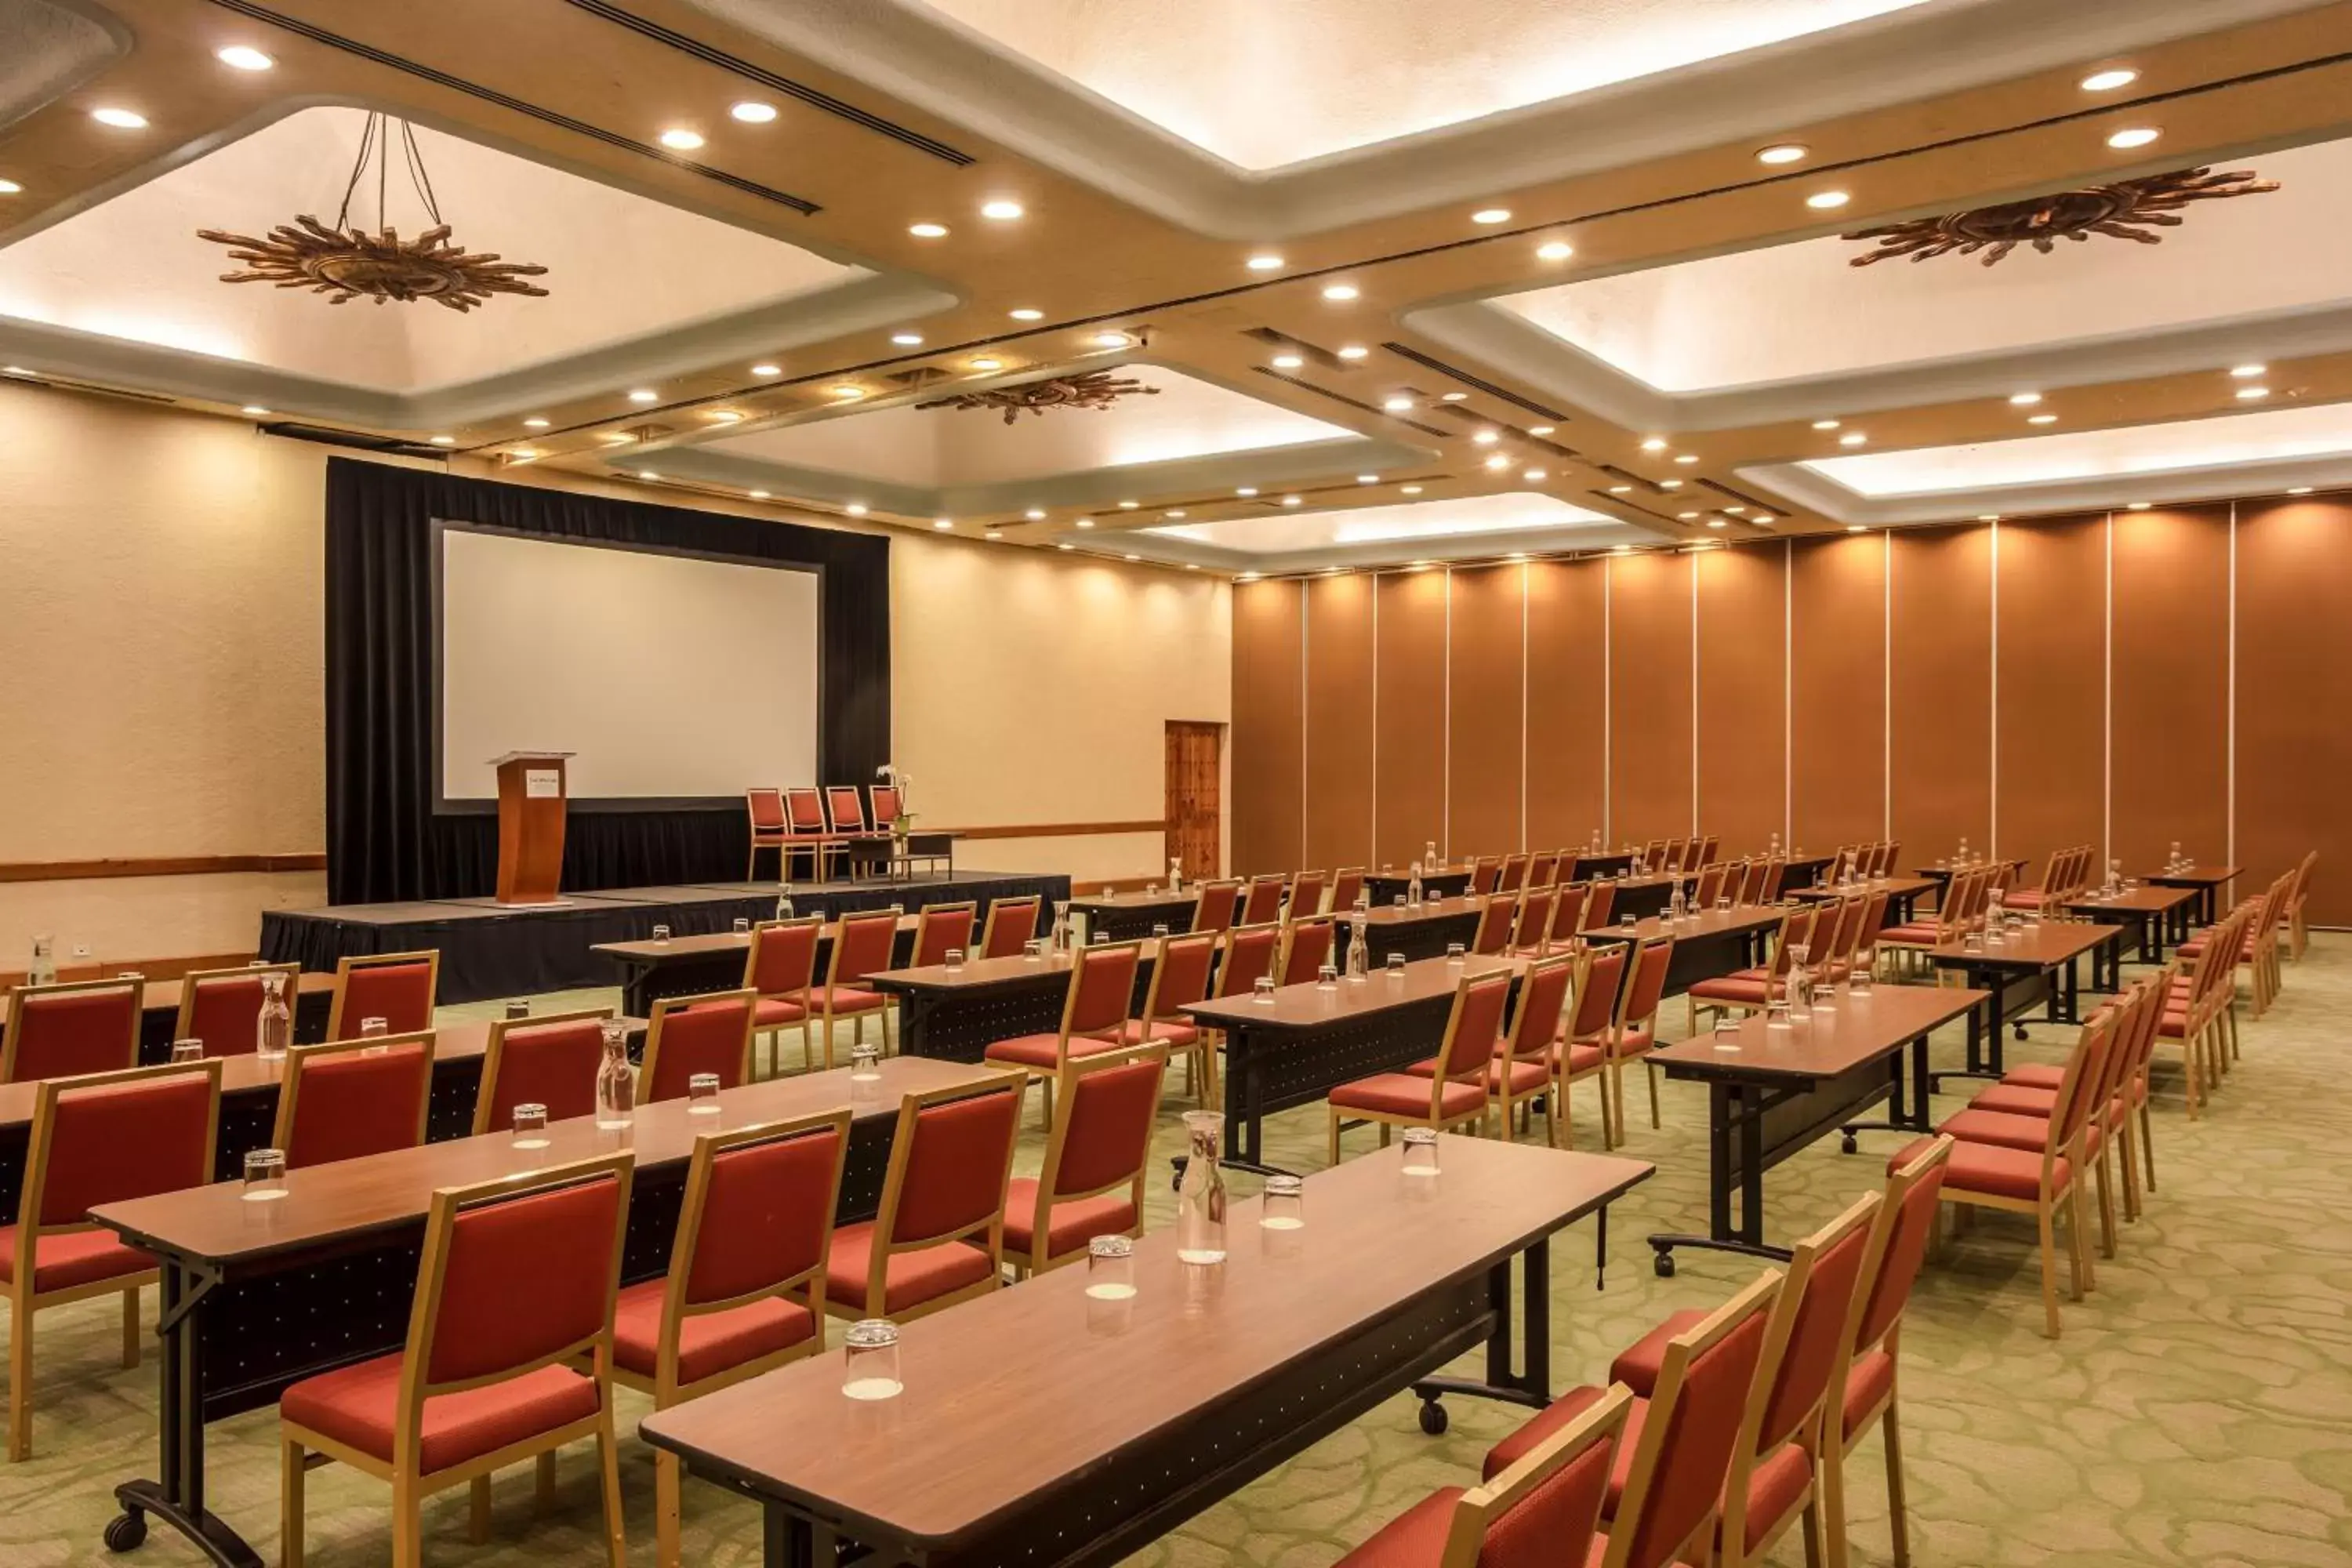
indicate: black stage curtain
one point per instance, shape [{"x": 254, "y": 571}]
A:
[{"x": 384, "y": 840}]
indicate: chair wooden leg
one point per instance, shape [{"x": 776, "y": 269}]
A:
[
  {"x": 1650, "y": 1071},
  {"x": 666, "y": 1509},
  {"x": 2107, "y": 1199},
  {"x": 1898, "y": 1509},
  {"x": 2128, "y": 1134},
  {"x": 130, "y": 1331},
  {"x": 1809, "y": 1525},
  {"x": 1567, "y": 1112},
  {"x": 2045, "y": 1217},
  {"x": 608, "y": 1475},
  {"x": 1832, "y": 1473},
  {"x": 543, "y": 1482},
  {"x": 1044, "y": 1103},
  {"x": 477, "y": 1511},
  {"x": 407, "y": 1525},
  {"x": 20, "y": 1380},
  {"x": 1335, "y": 1135},
  {"x": 2078, "y": 1251},
  {"x": 291, "y": 1471},
  {"x": 2147, "y": 1142}
]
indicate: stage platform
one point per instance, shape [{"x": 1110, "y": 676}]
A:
[{"x": 488, "y": 949}]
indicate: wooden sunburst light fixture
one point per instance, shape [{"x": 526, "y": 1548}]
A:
[
  {"x": 347, "y": 261},
  {"x": 2128, "y": 209},
  {"x": 1097, "y": 389}
]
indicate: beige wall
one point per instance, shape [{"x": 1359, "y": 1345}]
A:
[{"x": 162, "y": 644}]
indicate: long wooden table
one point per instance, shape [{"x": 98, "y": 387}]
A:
[
  {"x": 1708, "y": 944},
  {"x": 158, "y": 1014},
  {"x": 2156, "y": 916},
  {"x": 1038, "y": 1425},
  {"x": 256, "y": 1296},
  {"x": 2044, "y": 956},
  {"x": 1418, "y": 931},
  {"x": 1306, "y": 1040},
  {"x": 1124, "y": 917},
  {"x": 712, "y": 961},
  {"x": 1902, "y": 894},
  {"x": 1773, "y": 1089},
  {"x": 2205, "y": 881},
  {"x": 1389, "y": 884}
]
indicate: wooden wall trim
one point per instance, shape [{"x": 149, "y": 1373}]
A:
[
  {"x": 157, "y": 866},
  {"x": 1052, "y": 829}
]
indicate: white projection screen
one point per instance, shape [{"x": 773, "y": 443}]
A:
[{"x": 672, "y": 677}]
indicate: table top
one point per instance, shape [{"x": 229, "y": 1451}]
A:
[
  {"x": 164, "y": 995},
  {"x": 1393, "y": 914},
  {"x": 2041, "y": 946},
  {"x": 2140, "y": 900},
  {"x": 1942, "y": 872},
  {"x": 1309, "y": 1005},
  {"x": 1139, "y": 898},
  {"x": 978, "y": 973},
  {"x": 708, "y": 943},
  {"x": 1857, "y": 1031},
  {"x": 2193, "y": 876},
  {"x": 1003, "y": 1395},
  {"x": 1893, "y": 887},
  {"x": 1740, "y": 917},
  {"x": 382, "y": 1191}
]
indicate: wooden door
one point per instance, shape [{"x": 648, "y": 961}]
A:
[{"x": 1195, "y": 812}]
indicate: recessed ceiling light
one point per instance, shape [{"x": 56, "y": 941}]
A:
[
  {"x": 522, "y": 453},
  {"x": 1065, "y": 547},
  {"x": 2137, "y": 136},
  {"x": 444, "y": 440},
  {"x": 1001, "y": 211},
  {"x": 11, "y": 188},
  {"x": 1686, "y": 459},
  {"x": 724, "y": 416},
  {"x": 1262, "y": 262},
  {"x": 678, "y": 139},
  {"x": 767, "y": 370},
  {"x": 242, "y": 56},
  {"x": 2247, "y": 371},
  {"x": 1827, "y": 423},
  {"x": 1822, "y": 201},
  {"x": 2108, "y": 80},
  {"x": 758, "y": 495},
  {"x": 1397, "y": 405},
  {"x": 2253, "y": 394},
  {"x": 1175, "y": 516},
  {"x": 1491, "y": 214},
  {"x": 2300, "y": 491},
  {"x": 993, "y": 533},
  {"x": 1540, "y": 429},
  {"x": 1085, "y": 523},
  {"x": 121, "y": 118},
  {"x": 906, "y": 340},
  {"x": 1110, "y": 340},
  {"x": 856, "y": 509},
  {"x": 1714, "y": 522},
  {"x": 1782, "y": 152},
  {"x": 1025, "y": 314},
  {"x": 2042, "y": 420},
  {"x": 1192, "y": 567},
  {"x": 1035, "y": 514},
  {"x": 928, "y": 230},
  {"x": 1453, "y": 396},
  {"x": 1497, "y": 463},
  {"x": 647, "y": 474},
  {"x": 1245, "y": 490},
  {"x": 2138, "y": 506},
  {"x": 1852, "y": 438},
  {"x": 1409, "y": 490},
  {"x": 254, "y": 409},
  {"x": 1367, "y": 478},
  {"x": 1987, "y": 517},
  {"x": 1735, "y": 511},
  {"x": 614, "y": 437},
  {"x": 535, "y": 422},
  {"x": 1287, "y": 362},
  {"x": 986, "y": 362},
  {"x": 1126, "y": 506},
  {"x": 846, "y": 393},
  {"x": 644, "y": 395},
  {"x": 1763, "y": 520},
  {"x": 1856, "y": 528},
  {"x": 1621, "y": 490},
  {"x": 1290, "y": 501},
  {"x": 1686, "y": 517},
  {"x": 1486, "y": 438},
  {"x": 1535, "y": 476},
  {"x": 1341, "y": 292},
  {"x": 1555, "y": 250},
  {"x": 2024, "y": 399},
  {"x": 1353, "y": 351},
  {"x": 1670, "y": 484},
  {"x": 942, "y": 522},
  {"x": 751, "y": 112},
  {"x": 1653, "y": 444}
]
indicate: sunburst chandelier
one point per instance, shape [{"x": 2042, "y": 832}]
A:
[
  {"x": 1097, "y": 389},
  {"x": 2128, "y": 209},
  {"x": 347, "y": 261}
]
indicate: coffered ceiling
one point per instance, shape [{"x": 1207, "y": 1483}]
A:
[{"x": 1407, "y": 282}]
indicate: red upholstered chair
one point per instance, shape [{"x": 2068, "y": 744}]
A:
[
  {"x": 1306, "y": 946},
  {"x": 100, "y": 1138},
  {"x": 941, "y": 929},
  {"x": 1582, "y": 1050},
  {"x": 1094, "y": 1010},
  {"x": 744, "y": 1292},
  {"x": 1599, "y": 904},
  {"x": 1866, "y": 1384},
  {"x": 1485, "y": 874},
  {"x": 764, "y": 810},
  {"x": 1775, "y": 873},
  {"x": 1710, "y": 849},
  {"x": 516, "y": 1286},
  {"x": 349, "y": 1099},
  {"x": 2032, "y": 1087},
  {"x": 1521, "y": 1071},
  {"x": 780, "y": 967},
  {"x": 2298, "y": 923},
  {"x": 1514, "y": 875},
  {"x": 2040, "y": 1182},
  {"x": 938, "y": 1236},
  {"x": 1495, "y": 919},
  {"x": 1092, "y": 1182},
  {"x": 70, "y": 1028},
  {"x": 1542, "y": 1512},
  {"x": 1265, "y": 900},
  {"x": 805, "y": 831},
  {"x": 398, "y": 987},
  {"x": 1951, "y": 921},
  {"x": 1709, "y": 886},
  {"x": 2198, "y": 1011},
  {"x": 1011, "y": 924},
  {"x": 1531, "y": 931},
  {"x": 1213, "y": 911},
  {"x": 1306, "y": 898},
  {"x": 887, "y": 804},
  {"x": 1347, "y": 886},
  {"x": 1636, "y": 1031},
  {"x": 1652, "y": 856},
  {"x": 2257, "y": 952},
  {"x": 1543, "y": 869},
  {"x": 1682, "y": 1435},
  {"x": 222, "y": 1007},
  {"x": 690, "y": 1034},
  {"x": 863, "y": 944},
  {"x": 1748, "y": 990},
  {"x": 1455, "y": 1094},
  {"x": 1569, "y": 904},
  {"x": 845, "y": 809},
  {"x": 1181, "y": 970},
  {"x": 550, "y": 1060}
]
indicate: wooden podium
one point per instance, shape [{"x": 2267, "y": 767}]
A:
[{"x": 531, "y": 825}]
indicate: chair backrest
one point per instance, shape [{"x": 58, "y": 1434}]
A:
[
  {"x": 1181, "y": 971},
  {"x": 222, "y": 1007},
  {"x": 1011, "y": 923},
  {"x": 346, "y": 1100},
  {"x": 844, "y": 807},
  {"x": 1102, "y": 1139},
  {"x": 755, "y": 1224},
  {"x": 1305, "y": 895},
  {"x": 1775, "y": 871},
  {"x": 1544, "y": 1510},
  {"x": 1533, "y": 927},
  {"x": 1863, "y": 948},
  {"x": 105, "y": 1138},
  {"x": 1543, "y": 1000},
  {"x": 1347, "y": 886},
  {"x": 949, "y": 1164},
  {"x": 1264, "y": 901},
  {"x": 2078, "y": 1091},
  {"x": 1898, "y": 1244},
  {"x": 1597, "y": 989},
  {"x": 550, "y": 1061},
  {"x": 1711, "y": 885},
  {"x": 864, "y": 943},
  {"x": 517, "y": 1274},
  {"x": 1307, "y": 947},
  {"x": 398, "y": 987},
  {"x": 1568, "y": 910},
  {"x": 1101, "y": 988},
  {"x": 803, "y": 810},
  {"x": 940, "y": 928},
  {"x": 1808, "y": 1332},
  {"x": 1485, "y": 873},
  {"x": 1710, "y": 849},
  {"x": 888, "y": 805},
  {"x": 1474, "y": 1029},
  {"x": 1494, "y": 917},
  {"x": 765, "y": 810},
  {"x": 1796, "y": 931},
  {"x": 1250, "y": 952},
  {"x": 781, "y": 961},
  {"x": 1690, "y": 1430},
  {"x": 1214, "y": 908},
  {"x": 690, "y": 1034},
  {"x": 72, "y": 1028},
  {"x": 1647, "y": 986},
  {"x": 1600, "y": 898},
  {"x": 1514, "y": 875},
  {"x": 1543, "y": 869}
]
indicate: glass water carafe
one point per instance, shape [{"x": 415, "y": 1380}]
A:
[
  {"x": 617, "y": 1081},
  {"x": 1359, "y": 958},
  {"x": 44, "y": 970},
  {"x": 273, "y": 1029},
  {"x": 1176, "y": 875},
  {"x": 1200, "y": 1196}
]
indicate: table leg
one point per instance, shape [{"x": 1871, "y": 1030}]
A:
[
  {"x": 178, "y": 1499},
  {"x": 1734, "y": 1158},
  {"x": 786, "y": 1540},
  {"x": 1531, "y": 1385}
]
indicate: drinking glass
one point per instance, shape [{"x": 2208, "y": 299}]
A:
[
  {"x": 265, "y": 1174},
  {"x": 1455, "y": 954},
  {"x": 1396, "y": 966},
  {"x": 702, "y": 1094},
  {"x": 1857, "y": 984},
  {"x": 952, "y": 961},
  {"x": 519, "y": 1008},
  {"x": 1285, "y": 1204},
  {"x": 530, "y": 1126},
  {"x": 371, "y": 1027},
  {"x": 1111, "y": 1268},
  {"x": 1033, "y": 950},
  {"x": 870, "y": 1360},
  {"x": 1627, "y": 921},
  {"x": 188, "y": 1051},
  {"x": 1400, "y": 900},
  {"x": 1264, "y": 996},
  {"x": 1726, "y": 1032},
  {"x": 741, "y": 927},
  {"x": 864, "y": 1063},
  {"x": 1160, "y": 931},
  {"x": 661, "y": 933},
  {"x": 1327, "y": 978},
  {"x": 1421, "y": 1152}
]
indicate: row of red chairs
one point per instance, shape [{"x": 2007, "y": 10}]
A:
[
  {"x": 817, "y": 822},
  {"x": 1718, "y": 1431}
]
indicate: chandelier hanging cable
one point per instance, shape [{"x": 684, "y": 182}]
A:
[{"x": 348, "y": 262}]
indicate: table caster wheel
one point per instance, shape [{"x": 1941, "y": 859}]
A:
[
  {"x": 1850, "y": 1144},
  {"x": 126, "y": 1530},
  {"x": 1433, "y": 1417},
  {"x": 1664, "y": 1264}
]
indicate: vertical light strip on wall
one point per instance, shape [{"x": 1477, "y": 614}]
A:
[
  {"x": 1887, "y": 691},
  {"x": 1372, "y": 854},
  {"x": 1305, "y": 686},
  {"x": 1525, "y": 699},
  {"x": 1693, "y": 586},
  {"x": 1789, "y": 693},
  {"x": 2230, "y": 795},
  {"x": 2107, "y": 712},
  {"x": 1445, "y": 755},
  {"x": 1608, "y": 708},
  {"x": 1992, "y": 753}
]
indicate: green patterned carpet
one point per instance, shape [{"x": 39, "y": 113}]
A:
[{"x": 2197, "y": 1411}]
